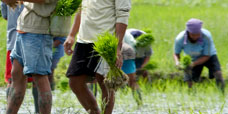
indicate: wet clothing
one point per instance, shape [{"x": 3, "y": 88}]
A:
[{"x": 203, "y": 47}]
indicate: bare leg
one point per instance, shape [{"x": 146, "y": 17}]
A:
[
  {"x": 219, "y": 80},
  {"x": 190, "y": 84},
  {"x": 84, "y": 95},
  {"x": 51, "y": 80},
  {"x": 35, "y": 97},
  {"x": 108, "y": 97},
  {"x": 135, "y": 88},
  {"x": 8, "y": 90},
  {"x": 17, "y": 89},
  {"x": 44, "y": 96}
]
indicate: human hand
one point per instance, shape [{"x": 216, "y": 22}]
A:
[
  {"x": 119, "y": 59},
  {"x": 178, "y": 66},
  {"x": 68, "y": 45},
  {"x": 56, "y": 43}
]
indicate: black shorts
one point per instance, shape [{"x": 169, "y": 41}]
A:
[
  {"x": 213, "y": 66},
  {"x": 84, "y": 60}
]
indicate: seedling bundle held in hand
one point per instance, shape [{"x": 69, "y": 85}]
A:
[
  {"x": 106, "y": 46},
  {"x": 61, "y": 18},
  {"x": 144, "y": 40},
  {"x": 186, "y": 61},
  {"x": 150, "y": 66},
  {"x": 67, "y": 7}
]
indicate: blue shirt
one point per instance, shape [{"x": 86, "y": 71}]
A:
[
  {"x": 203, "y": 47},
  {"x": 11, "y": 16},
  {"x": 59, "y": 50}
]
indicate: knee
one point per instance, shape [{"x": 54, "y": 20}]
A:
[
  {"x": 218, "y": 75},
  {"x": 17, "y": 76},
  {"x": 76, "y": 85}
]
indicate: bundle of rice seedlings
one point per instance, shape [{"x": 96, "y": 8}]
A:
[
  {"x": 67, "y": 7},
  {"x": 150, "y": 66},
  {"x": 186, "y": 61},
  {"x": 106, "y": 46},
  {"x": 63, "y": 84},
  {"x": 147, "y": 30},
  {"x": 144, "y": 40}
]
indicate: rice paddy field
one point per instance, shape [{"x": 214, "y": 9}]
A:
[{"x": 165, "y": 92}]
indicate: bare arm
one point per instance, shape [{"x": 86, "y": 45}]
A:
[
  {"x": 176, "y": 58},
  {"x": 146, "y": 60},
  {"x": 71, "y": 37},
  {"x": 120, "y": 31},
  {"x": 200, "y": 61},
  {"x": 76, "y": 25}
]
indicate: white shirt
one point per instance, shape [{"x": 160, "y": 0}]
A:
[{"x": 99, "y": 16}]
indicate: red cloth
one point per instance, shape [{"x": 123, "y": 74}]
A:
[{"x": 9, "y": 68}]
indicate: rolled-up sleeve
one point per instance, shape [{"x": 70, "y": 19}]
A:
[
  {"x": 122, "y": 8},
  {"x": 4, "y": 10}
]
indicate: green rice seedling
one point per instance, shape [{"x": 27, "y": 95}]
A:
[
  {"x": 67, "y": 7},
  {"x": 150, "y": 66},
  {"x": 106, "y": 46},
  {"x": 186, "y": 61},
  {"x": 63, "y": 84},
  {"x": 147, "y": 30},
  {"x": 144, "y": 40}
]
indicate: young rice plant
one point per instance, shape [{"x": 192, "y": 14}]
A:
[{"x": 106, "y": 46}]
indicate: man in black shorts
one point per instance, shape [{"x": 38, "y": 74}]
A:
[
  {"x": 197, "y": 42},
  {"x": 95, "y": 18}
]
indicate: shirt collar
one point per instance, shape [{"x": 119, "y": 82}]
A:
[{"x": 200, "y": 40}]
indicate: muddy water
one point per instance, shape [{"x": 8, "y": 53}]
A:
[{"x": 154, "y": 103}]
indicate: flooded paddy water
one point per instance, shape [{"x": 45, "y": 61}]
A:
[{"x": 153, "y": 103}]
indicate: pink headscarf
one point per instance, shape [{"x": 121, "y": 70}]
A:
[{"x": 194, "y": 26}]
